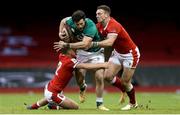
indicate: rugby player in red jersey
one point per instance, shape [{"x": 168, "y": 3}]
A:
[
  {"x": 53, "y": 91},
  {"x": 125, "y": 55}
]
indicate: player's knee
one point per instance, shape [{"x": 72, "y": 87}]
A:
[
  {"x": 99, "y": 77},
  {"x": 108, "y": 79},
  {"x": 108, "y": 76},
  {"x": 76, "y": 106}
]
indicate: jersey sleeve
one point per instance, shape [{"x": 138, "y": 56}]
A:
[
  {"x": 112, "y": 29},
  {"x": 70, "y": 22}
]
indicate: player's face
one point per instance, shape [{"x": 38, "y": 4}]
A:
[
  {"x": 80, "y": 25},
  {"x": 101, "y": 15}
]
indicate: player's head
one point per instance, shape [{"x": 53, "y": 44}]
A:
[
  {"x": 68, "y": 51},
  {"x": 78, "y": 18},
  {"x": 102, "y": 13}
]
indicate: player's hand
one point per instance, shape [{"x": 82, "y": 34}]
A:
[
  {"x": 59, "y": 45},
  {"x": 63, "y": 34}
]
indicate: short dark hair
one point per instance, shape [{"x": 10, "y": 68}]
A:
[
  {"x": 105, "y": 8},
  {"x": 78, "y": 15},
  {"x": 65, "y": 50}
]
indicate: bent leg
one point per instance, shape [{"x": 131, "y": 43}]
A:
[
  {"x": 126, "y": 81},
  {"x": 80, "y": 76},
  {"x": 69, "y": 104},
  {"x": 110, "y": 76},
  {"x": 111, "y": 71},
  {"x": 64, "y": 102}
]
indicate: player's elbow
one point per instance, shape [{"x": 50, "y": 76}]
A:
[
  {"x": 109, "y": 43},
  {"x": 63, "y": 21}
]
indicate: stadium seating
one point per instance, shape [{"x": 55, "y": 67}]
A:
[{"x": 158, "y": 43}]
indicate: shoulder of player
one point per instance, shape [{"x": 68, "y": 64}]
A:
[
  {"x": 69, "y": 21},
  {"x": 98, "y": 25},
  {"x": 88, "y": 19},
  {"x": 90, "y": 22},
  {"x": 114, "y": 22},
  {"x": 64, "y": 58}
]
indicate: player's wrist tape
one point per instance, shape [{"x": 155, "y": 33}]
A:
[
  {"x": 95, "y": 44},
  {"x": 67, "y": 45}
]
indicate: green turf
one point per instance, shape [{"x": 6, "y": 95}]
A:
[{"x": 150, "y": 103}]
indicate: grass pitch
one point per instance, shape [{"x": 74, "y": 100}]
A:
[{"x": 149, "y": 103}]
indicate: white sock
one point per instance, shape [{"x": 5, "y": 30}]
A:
[{"x": 99, "y": 99}]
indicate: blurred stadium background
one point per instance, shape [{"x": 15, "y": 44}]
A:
[{"x": 28, "y": 30}]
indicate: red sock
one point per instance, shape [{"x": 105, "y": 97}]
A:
[
  {"x": 131, "y": 95},
  {"x": 117, "y": 83},
  {"x": 35, "y": 106}
]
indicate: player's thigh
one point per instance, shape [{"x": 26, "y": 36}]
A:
[
  {"x": 69, "y": 104},
  {"x": 112, "y": 70},
  {"x": 80, "y": 72}
]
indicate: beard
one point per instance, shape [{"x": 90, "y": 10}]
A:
[{"x": 80, "y": 29}]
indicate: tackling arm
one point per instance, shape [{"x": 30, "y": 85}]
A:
[
  {"x": 107, "y": 42},
  {"x": 84, "y": 44},
  {"x": 62, "y": 30},
  {"x": 92, "y": 66}
]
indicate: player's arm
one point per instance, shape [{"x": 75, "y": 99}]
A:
[
  {"x": 109, "y": 41},
  {"x": 62, "y": 29},
  {"x": 92, "y": 66},
  {"x": 87, "y": 38},
  {"x": 84, "y": 44}
]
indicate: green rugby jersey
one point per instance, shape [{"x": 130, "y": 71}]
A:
[{"x": 89, "y": 30}]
